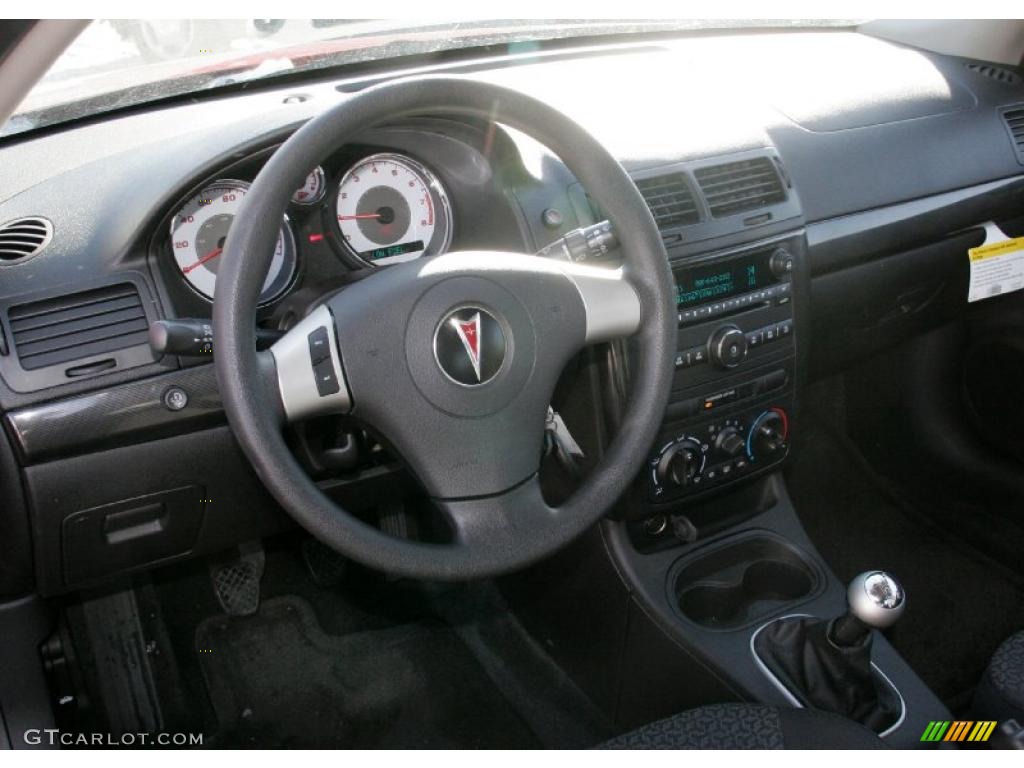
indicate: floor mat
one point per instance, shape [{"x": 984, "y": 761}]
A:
[
  {"x": 276, "y": 679},
  {"x": 960, "y": 605}
]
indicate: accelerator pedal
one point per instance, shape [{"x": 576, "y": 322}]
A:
[
  {"x": 236, "y": 582},
  {"x": 326, "y": 568}
]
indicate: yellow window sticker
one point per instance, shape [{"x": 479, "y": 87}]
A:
[{"x": 997, "y": 266}]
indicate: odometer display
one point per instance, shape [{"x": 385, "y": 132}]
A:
[
  {"x": 392, "y": 251},
  {"x": 200, "y": 228},
  {"x": 391, "y": 209}
]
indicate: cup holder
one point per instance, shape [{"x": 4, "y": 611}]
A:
[{"x": 741, "y": 581}]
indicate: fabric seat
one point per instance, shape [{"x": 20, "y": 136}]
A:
[
  {"x": 749, "y": 726},
  {"x": 1000, "y": 694}
]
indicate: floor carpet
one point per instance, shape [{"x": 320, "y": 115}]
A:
[{"x": 277, "y": 680}]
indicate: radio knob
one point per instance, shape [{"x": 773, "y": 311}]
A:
[
  {"x": 781, "y": 263},
  {"x": 730, "y": 442},
  {"x": 679, "y": 465},
  {"x": 727, "y": 346}
]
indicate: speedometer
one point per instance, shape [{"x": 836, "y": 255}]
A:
[
  {"x": 198, "y": 232},
  {"x": 392, "y": 209}
]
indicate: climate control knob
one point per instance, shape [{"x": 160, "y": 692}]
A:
[
  {"x": 768, "y": 435},
  {"x": 730, "y": 442},
  {"x": 727, "y": 346},
  {"x": 679, "y": 464}
]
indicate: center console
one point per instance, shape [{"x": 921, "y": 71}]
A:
[
  {"x": 729, "y": 416},
  {"x": 709, "y": 542}
]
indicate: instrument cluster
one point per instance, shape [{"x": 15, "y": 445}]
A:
[{"x": 382, "y": 208}]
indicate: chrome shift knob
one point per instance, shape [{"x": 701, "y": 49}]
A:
[{"x": 876, "y": 598}]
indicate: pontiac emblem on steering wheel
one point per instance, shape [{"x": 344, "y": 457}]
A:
[{"x": 469, "y": 345}]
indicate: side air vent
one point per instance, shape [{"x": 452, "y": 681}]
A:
[
  {"x": 670, "y": 199},
  {"x": 77, "y": 326},
  {"x": 22, "y": 238},
  {"x": 741, "y": 186},
  {"x": 992, "y": 72},
  {"x": 1014, "y": 119}
]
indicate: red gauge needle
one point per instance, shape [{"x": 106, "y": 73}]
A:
[
  {"x": 211, "y": 255},
  {"x": 360, "y": 216}
]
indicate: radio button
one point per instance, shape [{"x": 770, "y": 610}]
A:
[
  {"x": 785, "y": 328},
  {"x": 699, "y": 355},
  {"x": 755, "y": 338},
  {"x": 771, "y": 333}
]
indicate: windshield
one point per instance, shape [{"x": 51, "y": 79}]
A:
[{"x": 117, "y": 63}]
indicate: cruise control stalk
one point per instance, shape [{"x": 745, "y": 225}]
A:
[{"x": 193, "y": 337}]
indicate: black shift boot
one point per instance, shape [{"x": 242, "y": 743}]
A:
[
  {"x": 827, "y": 664},
  {"x": 823, "y": 675}
]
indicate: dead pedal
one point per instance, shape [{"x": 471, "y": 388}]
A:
[
  {"x": 326, "y": 567},
  {"x": 236, "y": 582}
]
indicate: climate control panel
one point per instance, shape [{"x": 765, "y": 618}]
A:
[{"x": 713, "y": 453}]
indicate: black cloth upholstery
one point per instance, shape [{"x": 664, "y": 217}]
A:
[
  {"x": 1000, "y": 694},
  {"x": 749, "y": 726}
]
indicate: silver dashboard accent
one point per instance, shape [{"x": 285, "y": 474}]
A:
[
  {"x": 781, "y": 688},
  {"x": 295, "y": 377}
]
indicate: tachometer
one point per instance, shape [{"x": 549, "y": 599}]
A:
[
  {"x": 198, "y": 232},
  {"x": 391, "y": 209}
]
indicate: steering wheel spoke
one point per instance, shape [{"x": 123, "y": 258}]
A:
[
  {"x": 610, "y": 301},
  {"x": 501, "y": 521},
  {"x": 310, "y": 378}
]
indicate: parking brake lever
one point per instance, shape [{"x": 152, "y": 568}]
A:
[{"x": 193, "y": 337}]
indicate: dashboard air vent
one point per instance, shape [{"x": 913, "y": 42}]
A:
[
  {"x": 992, "y": 72},
  {"x": 25, "y": 237},
  {"x": 670, "y": 199},
  {"x": 1014, "y": 119},
  {"x": 78, "y": 325},
  {"x": 741, "y": 186}
]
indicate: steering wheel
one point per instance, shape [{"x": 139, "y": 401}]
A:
[{"x": 453, "y": 359}]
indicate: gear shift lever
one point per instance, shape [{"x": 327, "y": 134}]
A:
[
  {"x": 826, "y": 664},
  {"x": 875, "y": 600}
]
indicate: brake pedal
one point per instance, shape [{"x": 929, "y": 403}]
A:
[{"x": 237, "y": 582}]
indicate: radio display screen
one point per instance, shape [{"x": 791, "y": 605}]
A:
[{"x": 700, "y": 285}]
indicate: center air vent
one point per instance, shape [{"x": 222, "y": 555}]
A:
[
  {"x": 1014, "y": 119},
  {"x": 77, "y": 326},
  {"x": 670, "y": 199},
  {"x": 25, "y": 237},
  {"x": 741, "y": 186}
]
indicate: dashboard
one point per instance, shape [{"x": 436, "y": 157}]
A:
[{"x": 878, "y": 178}]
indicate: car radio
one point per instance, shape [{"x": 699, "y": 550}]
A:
[{"x": 729, "y": 414}]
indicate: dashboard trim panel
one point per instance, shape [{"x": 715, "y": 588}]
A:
[{"x": 130, "y": 413}]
